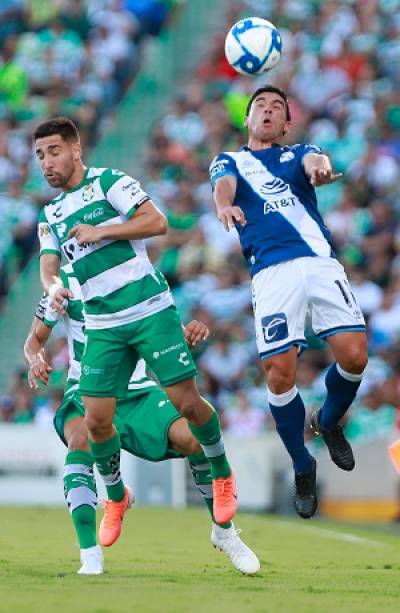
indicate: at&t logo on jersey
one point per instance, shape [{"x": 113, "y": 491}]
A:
[
  {"x": 272, "y": 206},
  {"x": 275, "y": 327}
]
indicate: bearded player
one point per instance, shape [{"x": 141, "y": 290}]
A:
[{"x": 148, "y": 425}]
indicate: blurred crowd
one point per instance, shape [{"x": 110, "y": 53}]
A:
[
  {"x": 341, "y": 69},
  {"x": 58, "y": 57}
]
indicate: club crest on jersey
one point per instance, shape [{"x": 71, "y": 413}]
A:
[
  {"x": 286, "y": 156},
  {"x": 88, "y": 193}
]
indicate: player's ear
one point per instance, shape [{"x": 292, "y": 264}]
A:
[
  {"x": 77, "y": 150},
  {"x": 246, "y": 122},
  {"x": 286, "y": 129}
]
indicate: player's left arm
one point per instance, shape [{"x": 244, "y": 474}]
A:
[
  {"x": 195, "y": 332},
  {"x": 148, "y": 221},
  {"x": 318, "y": 169},
  {"x": 127, "y": 197}
]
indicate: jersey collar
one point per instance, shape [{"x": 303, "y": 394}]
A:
[
  {"x": 246, "y": 148},
  {"x": 74, "y": 189}
]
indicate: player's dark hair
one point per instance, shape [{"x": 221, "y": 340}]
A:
[
  {"x": 63, "y": 126},
  {"x": 269, "y": 89}
]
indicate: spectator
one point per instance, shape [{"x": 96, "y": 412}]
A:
[{"x": 242, "y": 419}]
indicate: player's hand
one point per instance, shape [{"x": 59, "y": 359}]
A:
[
  {"x": 231, "y": 215},
  {"x": 60, "y": 298},
  {"x": 39, "y": 370},
  {"x": 322, "y": 173},
  {"x": 86, "y": 234},
  {"x": 195, "y": 332}
]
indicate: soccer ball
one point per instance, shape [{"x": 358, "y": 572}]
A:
[{"x": 253, "y": 46}]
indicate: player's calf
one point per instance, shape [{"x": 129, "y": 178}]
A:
[{"x": 81, "y": 496}]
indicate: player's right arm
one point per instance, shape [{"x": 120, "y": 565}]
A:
[
  {"x": 50, "y": 259},
  {"x": 34, "y": 345},
  {"x": 224, "y": 182}
]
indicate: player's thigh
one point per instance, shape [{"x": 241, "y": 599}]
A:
[
  {"x": 144, "y": 421},
  {"x": 107, "y": 363},
  {"x": 333, "y": 306},
  {"x": 161, "y": 342},
  {"x": 280, "y": 308}
]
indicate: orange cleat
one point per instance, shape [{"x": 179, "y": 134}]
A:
[
  {"x": 111, "y": 524},
  {"x": 225, "y": 499}
]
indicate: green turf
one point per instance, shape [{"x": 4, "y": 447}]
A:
[{"x": 164, "y": 563}]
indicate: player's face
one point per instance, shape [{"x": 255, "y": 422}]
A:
[
  {"x": 267, "y": 118},
  {"x": 58, "y": 159}
]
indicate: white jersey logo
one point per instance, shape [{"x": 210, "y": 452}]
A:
[
  {"x": 286, "y": 156},
  {"x": 272, "y": 326}
]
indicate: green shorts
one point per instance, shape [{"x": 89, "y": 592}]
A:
[
  {"x": 111, "y": 355},
  {"x": 143, "y": 422}
]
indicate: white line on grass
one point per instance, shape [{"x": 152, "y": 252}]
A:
[{"x": 340, "y": 536}]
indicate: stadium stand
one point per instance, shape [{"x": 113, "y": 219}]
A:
[{"x": 341, "y": 67}]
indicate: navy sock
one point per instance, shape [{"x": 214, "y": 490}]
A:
[
  {"x": 342, "y": 389},
  {"x": 289, "y": 414}
]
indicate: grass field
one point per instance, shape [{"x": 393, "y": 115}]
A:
[{"x": 165, "y": 563}]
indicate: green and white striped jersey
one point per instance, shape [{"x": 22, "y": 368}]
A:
[
  {"x": 119, "y": 283},
  {"x": 75, "y": 329}
]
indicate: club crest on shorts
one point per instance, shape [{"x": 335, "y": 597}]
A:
[{"x": 275, "y": 327}]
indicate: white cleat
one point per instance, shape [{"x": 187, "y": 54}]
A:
[
  {"x": 92, "y": 561},
  {"x": 228, "y": 541}
]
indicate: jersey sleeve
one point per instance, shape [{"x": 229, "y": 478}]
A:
[
  {"x": 124, "y": 193},
  {"x": 45, "y": 313},
  {"x": 48, "y": 240},
  {"x": 303, "y": 150},
  {"x": 221, "y": 166}
]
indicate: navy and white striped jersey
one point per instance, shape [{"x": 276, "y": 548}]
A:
[{"x": 279, "y": 203}]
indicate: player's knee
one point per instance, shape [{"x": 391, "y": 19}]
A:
[
  {"x": 279, "y": 380},
  {"x": 356, "y": 359},
  {"x": 190, "y": 446},
  {"x": 97, "y": 425},
  {"x": 188, "y": 407}
]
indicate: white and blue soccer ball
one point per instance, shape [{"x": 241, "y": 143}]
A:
[{"x": 253, "y": 46}]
